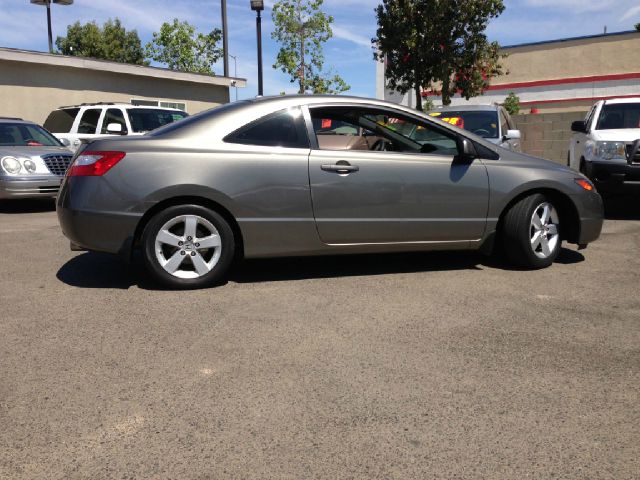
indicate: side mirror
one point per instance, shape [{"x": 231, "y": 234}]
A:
[
  {"x": 579, "y": 126},
  {"x": 115, "y": 128},
  {"x": 466, "y": 150},
  {"x": 65, "y": 142},
  {"x": 512, "y": 135}
]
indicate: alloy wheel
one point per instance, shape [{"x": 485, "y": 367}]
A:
[
  {"x": 188, "y": 246},
  {"x": 544, "y": 231}
]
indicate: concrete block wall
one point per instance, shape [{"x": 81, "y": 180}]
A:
[{"x": 547, "y": 135}]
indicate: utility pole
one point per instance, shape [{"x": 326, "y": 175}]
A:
[{"x": 225, "y": 38}]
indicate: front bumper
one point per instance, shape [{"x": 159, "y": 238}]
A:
[
  {"x": 590, "y": 211},
  {"x": 29, "y": 187},
  {"x": 613, "y": 176}
]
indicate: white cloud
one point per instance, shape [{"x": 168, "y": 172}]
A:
[
  {"x": 631, "y": 13},
  {"x": 350, "y": 36}
]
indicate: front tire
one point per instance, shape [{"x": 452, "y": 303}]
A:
[
  {"x": 188, "y": 246},
  {"x": 531, "y": 232}
]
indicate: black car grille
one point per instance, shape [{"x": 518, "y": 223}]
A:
[{"x": 57, "y": 164}]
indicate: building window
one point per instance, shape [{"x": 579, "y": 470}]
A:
[
  {"x": 158, "y": 103},
  {"x": 179, "y": 106}
]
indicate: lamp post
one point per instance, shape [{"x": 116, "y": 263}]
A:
[
  {"x": 235, "y": 72},
  {"x": 225, "y": 38},
  {"x": 258, "y": 6},
  {"x": 48, "y": 3}
]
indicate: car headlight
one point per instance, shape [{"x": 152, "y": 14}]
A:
[
  {"x": 607, "y": 151},
  {"x": 29, "y": 165},
  {"x": 11, "y": 165}
]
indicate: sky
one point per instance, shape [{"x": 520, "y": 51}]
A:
[{"x": 348, "y": 53}]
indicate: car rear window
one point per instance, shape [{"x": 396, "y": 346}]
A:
[
  {"x": 146, "y": 119},
  {"x": 61, "y": 121},
  {"x": 483, "y": 123},
  {"x": 282, "y": 129},
  {"x": 619, "y": 115}
]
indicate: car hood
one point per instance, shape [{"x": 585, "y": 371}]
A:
[
  {"x": 618, "y": 135},
  {"x": 32, "y": 151},
  {"x": 530, "y": 161}
]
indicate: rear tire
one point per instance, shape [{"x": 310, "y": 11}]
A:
[
  {"x": 188, "y": 246},
  {"x": 531, "y": 232}
]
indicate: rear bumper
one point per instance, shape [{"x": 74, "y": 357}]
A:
[
  {"x": 98, "y": 231},
  {"x": 93, "y": 227},
  {"x": 29, "y": 187}
]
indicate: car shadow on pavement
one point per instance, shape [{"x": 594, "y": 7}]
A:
[
  {"x": 282, "y": 269},
  {"x": 28, "y": 205},
  {"x": 101, "y": 270},
  {"x": 622, "y": 207}
]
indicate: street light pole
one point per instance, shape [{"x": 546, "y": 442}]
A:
[
  {"x": 47, "y": 3},
  {"x": 225, "y": 38},
  {"x": 235, "y": 72},
  {"x": 258, "y": 6}
]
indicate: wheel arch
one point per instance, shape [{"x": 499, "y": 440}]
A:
[
  {"x": 569, "y": 217},
  {"x": 191, "y": 200}
]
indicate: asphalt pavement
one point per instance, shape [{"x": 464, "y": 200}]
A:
[{"x": 412, "y": 366}]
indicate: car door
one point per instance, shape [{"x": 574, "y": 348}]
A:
[
  {"x": 514, "y": 143},
  {"x": 407, "y": 186},
  {"x": 578, "y": 140},
  {"x": 87, "y": 124}
]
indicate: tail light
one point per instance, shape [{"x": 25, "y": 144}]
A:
[{"x": 94, "y": 164}]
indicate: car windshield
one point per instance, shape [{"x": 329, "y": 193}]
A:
[
  {"x": 147, "y": 119},
  {"x": 483, "y": 123},
  {"x": 619, "y": 115},
  {"x": 26, "y": 135}
]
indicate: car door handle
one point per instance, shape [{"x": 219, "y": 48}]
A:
[{"x": 340, "y": 168}]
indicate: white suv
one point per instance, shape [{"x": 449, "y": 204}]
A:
[
  {"x": 76, "y": 124},
  {"x": 605, "y": 146}
]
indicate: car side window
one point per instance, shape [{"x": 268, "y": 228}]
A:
[
  {"x": 511, "y": 124},
  {"x": 281, "y": 129},
  {"x": 89, "y": 121},
  {"x": 376, "y": 130},
  {"x": 589, "y": 117},
  {"x": 113, "y": 115},
  {"x": 504, "y": 126}
]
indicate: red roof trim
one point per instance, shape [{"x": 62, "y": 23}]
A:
[
  {"x": 581, "y": 99},
  {"x": 559, "y": 81},
  {"x": 564, "y": 81}
]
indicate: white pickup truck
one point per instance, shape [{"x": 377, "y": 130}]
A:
[
  {"x": 79, "y": 124},
  {"x": 606, "y": 145}
]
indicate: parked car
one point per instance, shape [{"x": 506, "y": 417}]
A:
[
  {"x": 604, "y": 146},
  {"x": 76, "y": 124},
  {"x": 253, "y": 179},
  {"x": 491, "y": 122},
  {"x": 32, "y": 161}
]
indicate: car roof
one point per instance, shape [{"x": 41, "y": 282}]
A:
[
  {"x": 117, "y": 104},
  {"x": 14, "y": 120},
  {"x": 613, "y": 101},
  {"x": 466, "y": 108}
]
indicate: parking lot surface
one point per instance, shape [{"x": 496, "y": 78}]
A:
[{"x": 441, "y": 365}]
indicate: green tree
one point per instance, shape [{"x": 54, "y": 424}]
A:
[
  {"x": 179, "y": 47},
  {"x": 512, "y": 104},
  {"x": 301, "y": 28},
  {"x": 637, "y": 25},
  {"x": 424, "y": 42},
  {"x": 109, "y": 42}
]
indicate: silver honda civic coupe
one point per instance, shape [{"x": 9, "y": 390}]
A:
[{"x": 316, "y": 175}]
